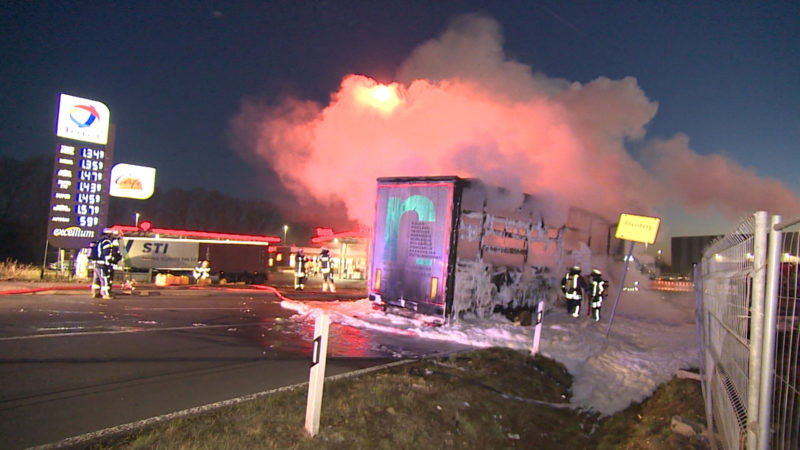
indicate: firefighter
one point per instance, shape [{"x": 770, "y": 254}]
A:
[
  {"x": 326, "y": 268},
  {"x": 598, "y": 292},
  {"x": 104, "y": 255},
  {"x": 573, "y": 285},
  {"x": 82, "y": 264},
  {"x": 300, "y": 270},
  {"x": 115, "y": 258},
  {"x": 201, "y": 272}
]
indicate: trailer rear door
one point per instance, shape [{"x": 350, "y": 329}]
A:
[{"x": 410, "y": 253}]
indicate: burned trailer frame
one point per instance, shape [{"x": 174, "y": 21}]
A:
[
  {"x": 445, "y": 246},
  {"x": 503, "y": 276}
]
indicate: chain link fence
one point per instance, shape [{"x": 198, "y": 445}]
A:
[{"x": 748, "y": 316}]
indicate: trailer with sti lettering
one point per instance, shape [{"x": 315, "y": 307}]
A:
[
  {"x": 449, "y": 246},
  {"x": 232, "y": 257}
]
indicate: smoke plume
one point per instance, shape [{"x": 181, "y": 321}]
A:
[
  {"x": 698, "y": 181},
  {"x": 460, "y": 106}
]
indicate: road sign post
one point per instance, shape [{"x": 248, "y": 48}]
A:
[{"x": 635, "y": 229}]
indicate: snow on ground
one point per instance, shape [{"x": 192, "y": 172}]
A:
[{"x": 652, "y": 336}]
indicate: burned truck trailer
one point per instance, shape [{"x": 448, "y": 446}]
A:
[{"x": 444, "y": 246}]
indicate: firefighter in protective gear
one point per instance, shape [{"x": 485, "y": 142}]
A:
[
  {"x": 573, "y": 286},
  {"x": 104, "y": 255},
  {"x": 300, "y": 268},
  {"x": 598, "y": 291},
  {"x": 201, "y": 272},
  {"x": 82, "y": 264},
  {"x": 116, "y": 257},
  {"x": 326, "y": 269}
]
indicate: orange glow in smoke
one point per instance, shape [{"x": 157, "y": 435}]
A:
[
  {"x": 382, "y": 97},
  {"x": 382, "y": 93}
]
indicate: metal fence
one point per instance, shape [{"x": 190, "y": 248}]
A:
[{"x": 748, "y": 317}]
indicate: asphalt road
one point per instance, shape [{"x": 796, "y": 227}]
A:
[{"x": 71, "y": 365}]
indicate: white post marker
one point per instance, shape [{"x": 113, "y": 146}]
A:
[
  {"x": 537, "y": 331},
  {"x": 317, "y": 375}
]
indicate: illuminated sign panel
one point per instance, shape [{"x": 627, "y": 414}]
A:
[
  {"x": 637, "y": 228},
  {"x": 83, "y": 120},
  {"x": 131, "y": 181},
  {"x": 79, "y": 194}
]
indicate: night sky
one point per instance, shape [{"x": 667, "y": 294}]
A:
[{"x": 175, "y": 74}]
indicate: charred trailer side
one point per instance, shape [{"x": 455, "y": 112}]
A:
[{"x": 446, "y": 246}]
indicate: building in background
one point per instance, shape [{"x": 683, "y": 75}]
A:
[
  {"x": 688, "y": 251},
  {"x": 349, "y": 250}
]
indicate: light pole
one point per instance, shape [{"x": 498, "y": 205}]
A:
[{"x": 285, "y": 229}]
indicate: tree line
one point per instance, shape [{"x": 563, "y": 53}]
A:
[{"x": 25, "y": 187}]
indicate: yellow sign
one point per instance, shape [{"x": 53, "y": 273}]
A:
[{"x": 637, "y": 228}]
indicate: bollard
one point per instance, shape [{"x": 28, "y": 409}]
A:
[
  {"x": 537, "y": 331},
  {"x": 317, "y": 374}
]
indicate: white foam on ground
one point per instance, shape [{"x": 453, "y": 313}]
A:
[{"x": 652, "y": 336}]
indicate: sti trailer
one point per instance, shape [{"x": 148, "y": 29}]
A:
[{"x": 446, "y": 246}]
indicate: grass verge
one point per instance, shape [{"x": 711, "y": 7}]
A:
[
  {"x": 11, "y": 270},
  {"x": 493, "y": 398}
]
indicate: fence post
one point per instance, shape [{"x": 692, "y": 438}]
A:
[
  {"x": 756, "y": 325},
  {"x": 770, "y": 319},
  {"x": 706, "y": 361}
]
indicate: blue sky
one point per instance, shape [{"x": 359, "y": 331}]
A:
[{"x": 175, "y": 73}]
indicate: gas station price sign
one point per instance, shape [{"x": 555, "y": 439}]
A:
[{"x": 79, "y": 194}]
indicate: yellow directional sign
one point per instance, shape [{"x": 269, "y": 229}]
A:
[{"x": 637, "y": 228}]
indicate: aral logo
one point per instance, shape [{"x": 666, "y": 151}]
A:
[{"x": 83, "y": 115}]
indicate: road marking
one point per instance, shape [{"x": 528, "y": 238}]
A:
[
  {"x": 140, "y": 308},
  {"x": 129, "y": 330}
]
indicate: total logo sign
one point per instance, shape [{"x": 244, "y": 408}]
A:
[{"x": 82, "y": 120}]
